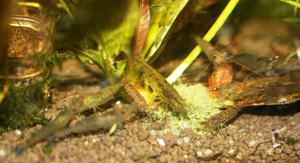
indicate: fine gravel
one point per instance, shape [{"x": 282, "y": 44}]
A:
[{"x": 257, "y": 135}]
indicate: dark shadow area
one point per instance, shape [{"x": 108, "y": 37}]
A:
[{"x": 273, "y": 110}]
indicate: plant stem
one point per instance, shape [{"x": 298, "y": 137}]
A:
[
  {"x": 208, "y": 36},
  {"x": 293, "y": 3},
  {"x": 30, "y": 4}
]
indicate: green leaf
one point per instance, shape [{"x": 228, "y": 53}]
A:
[
  {"x": 113, "y": 31},
  {"x": 162, "y": 14},
  {"x": 119, "y": 39},
  {"x": 95, "y": 57},
  {"x": 65, "y": 7},
  {"x": 292, "y": 3}
]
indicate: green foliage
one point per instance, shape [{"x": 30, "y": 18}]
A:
[
  {"x": 63, "y": 4},
  {"x": 47, "y": 149},
  {"x": 22, "y": 107},
  {"x": 53, "y": 59},
  {"x": 163, "y": 14},
  {"x": 112, "y": 41},
  {"x": 294, "y": 3},
  {"x": 108, "y": 29},
  {"x": 118, "y": 39}
]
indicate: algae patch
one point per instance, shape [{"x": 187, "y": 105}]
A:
[
  {"x": 23, "y": 106},
  {"x": 201, "y": 106}
]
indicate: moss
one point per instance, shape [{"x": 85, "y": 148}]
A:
[
  {"x": 200, "y": 106},
  {"x": 47, "y": 149},
  {"x": 289, "y": 140},
  {"x": 23, "y": 106}
]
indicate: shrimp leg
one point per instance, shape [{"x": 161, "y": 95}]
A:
[
  {"x": 106, "y": 120},
  {"x": 77, "y": 106}
]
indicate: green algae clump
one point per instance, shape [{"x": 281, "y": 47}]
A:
[{"x": 201, "y": 106}]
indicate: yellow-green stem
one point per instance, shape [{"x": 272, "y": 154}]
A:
[
  {"x": 30, "y": 4},
  {"x": 208, "y": 36},
  {"x": 296, "y": 4}
]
